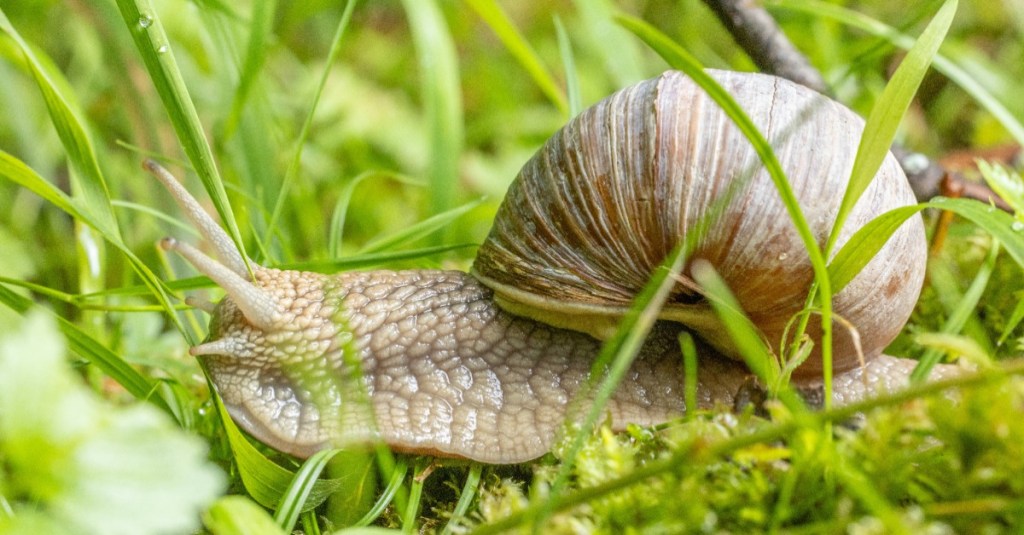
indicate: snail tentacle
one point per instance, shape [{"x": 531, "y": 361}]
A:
[
  {"x": 210, "y": 230},
  {"x": 258, "y": 307}
]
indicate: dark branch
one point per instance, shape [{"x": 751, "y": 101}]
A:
[{"x": 756, "y": 32}]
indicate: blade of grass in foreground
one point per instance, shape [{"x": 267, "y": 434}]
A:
[
  {"x": 495, "y": 17},
  {"x": 887, "y": 113},
  {"x": 442, "y": 99},
  {"x": 302, "y": 485},
  {"x": 293, "y": 167},
  {"x": 146, "y": 30},
  {"x": 266, "y": 481},
  {"x": 680, "y": 59}
]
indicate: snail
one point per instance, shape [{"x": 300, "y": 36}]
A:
[{"x": 485, "y": 365}]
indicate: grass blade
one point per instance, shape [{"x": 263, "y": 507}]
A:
[
  {"x": 465, "y": 497},
  {"x": 495, "y": 17},
  {"x": 264, "y": 480},
  {"x": 293, "y": 167},
  {"x": 146, "y": 30},
  {"x": 442, "y": 99},
  {"x": 887, "y": 113},
  {"x": 302, "y": 485},
  {"x": 397, "y": 477},
  {"x": 419, "y": 230},
  {"x": 572, "y": 83},
  {"x": 680, "y": 59},
  {"x": 262, "y": 23}
]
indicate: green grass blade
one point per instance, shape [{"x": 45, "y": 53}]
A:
[
  {"x": 942, "y": 62},
  {"x": 742, "y": 331},
  {"x": 680, "y": 59},
  {"x": 865, "y": 244},
  {"x": 887, "y": 113},
  {"x": 260, "y": 28},
  {"x": 238, "y": 515},
  {"x": 960, "y": 311},
  {"x": 465, "y": 498},
  {"x": 397, "y": 477},
  {"x": 336, "y": 233},
  {"x": 88, "y": 182},
  {"x": 419, "y": 230},
  {"x": 293, "y": 167},
  {"x": 689, "y": 351},
  {"x": 1013, "y": 321},
  {"x": 619, "y": 55},
  {"x": 572, "y": 82},
  {"x": 264, "y": 480},
  {"x": 495, "y": 17},
  {"x": 442, "y": 99},
  {"x": 142, "y": 22},
  {"x": 294, "y": 499},
  {"x": 871, "y": 237}
]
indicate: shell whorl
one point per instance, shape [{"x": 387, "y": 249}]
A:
[{"x": 604, "y": 201}]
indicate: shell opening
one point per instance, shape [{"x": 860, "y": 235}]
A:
[{"x": 259, "y": 308}]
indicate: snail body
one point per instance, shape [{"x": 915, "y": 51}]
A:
[{"x": 486, "y": 365}]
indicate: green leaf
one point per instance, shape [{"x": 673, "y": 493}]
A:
[
  {"x": 88, "y": 463},
  {"x": 886, "y": 115},
  {"x": 260, "y": 28},
  {"x": 865, "y": 244},
  {"x": 741, "y": 330},
  {"x": 266, "y": 481},
  {"x": 495, "y": 17},
  {"x": 572, "y": 82},
  {"x": 237, "y": 515},
  {"x": 1006, "y": 183},
  {"x": 442, "y": 99}
]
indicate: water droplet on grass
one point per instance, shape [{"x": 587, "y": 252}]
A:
[{"x": 145, "y": 21}]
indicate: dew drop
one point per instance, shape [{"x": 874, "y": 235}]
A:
[
  {"x": 145, "y": 21},
  {"x": 783, "y": 256},
  {"x": 1017, "y": 226},
  {"x": 163, "y": 49}
]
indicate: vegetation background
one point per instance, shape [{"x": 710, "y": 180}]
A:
[{"x": 425, "y": 116}]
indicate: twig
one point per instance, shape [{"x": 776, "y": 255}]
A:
[{"x": 756, "y": 32}]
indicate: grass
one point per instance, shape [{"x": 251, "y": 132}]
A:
[{"x": 382, "y": 134}]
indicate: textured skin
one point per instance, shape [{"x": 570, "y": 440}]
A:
[{"x": 446, "y": 371}]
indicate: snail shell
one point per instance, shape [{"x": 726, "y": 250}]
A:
[
  {"x": 605, "y": 200},
  {"x": 446, "y": 371}
]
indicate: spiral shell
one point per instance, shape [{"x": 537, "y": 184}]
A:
[{"x": 604, "y": 201}]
